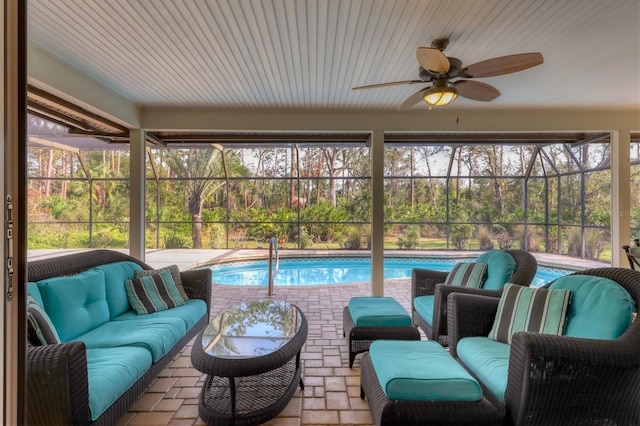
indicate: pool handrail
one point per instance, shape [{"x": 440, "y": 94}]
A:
[{"x": 273, "y": 248}]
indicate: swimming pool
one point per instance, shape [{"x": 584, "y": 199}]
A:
[{"x": 303, "y": 271}]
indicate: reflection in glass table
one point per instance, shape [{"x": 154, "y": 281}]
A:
[{"x": 251, "y": 353}]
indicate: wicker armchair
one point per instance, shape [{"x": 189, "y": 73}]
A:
[
  {"x": 427, "y": 282},
  {"x": 632, "y": 257},
  {"x": 557, "y": 379}
]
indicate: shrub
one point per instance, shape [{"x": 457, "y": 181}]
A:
[
  {"x": 460, "y": 234},
  {"x": 411, "y": 237},
  {"x": 354, "y": 239},
  {"x": 305, "y": 239},
  {"x": 174, "y": 240},
  {"x": 484, "y": 234}
]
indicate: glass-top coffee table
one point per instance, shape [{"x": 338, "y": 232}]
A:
[{"x": 251, "y": 355}]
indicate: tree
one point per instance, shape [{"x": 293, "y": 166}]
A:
[{"x": 204, "y": 170}]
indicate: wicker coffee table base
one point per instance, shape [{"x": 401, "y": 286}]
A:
[{"x": 258, "y": 398}]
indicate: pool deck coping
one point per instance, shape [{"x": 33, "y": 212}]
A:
[{"x": 194, "y": 258}]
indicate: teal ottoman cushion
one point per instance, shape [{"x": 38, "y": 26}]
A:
[
  {"x": 115, "y": 275},
  {"x": 500, "y": 267},
  {"x": 111, "y": 372},
  {"x": 378, "y": 311},
  {"x": 191, "y": 312},
  {"x": 156, "y": 335},
  {"x": 424, "y": 307},
  {"x": 75, "y": 304},
  {"x": 421, "y": 371},
  {"x": 600, "y": 308},
  {"x": 488, "y": 360}
]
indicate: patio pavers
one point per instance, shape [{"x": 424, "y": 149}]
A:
[{"x": 332, "y": 393}]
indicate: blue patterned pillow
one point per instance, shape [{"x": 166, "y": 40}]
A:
[
  {"x": 40, "y": 329},
  {"x": 153, "y": 293}
]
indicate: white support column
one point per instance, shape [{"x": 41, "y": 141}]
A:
[
  {"x": 620, "y": 195},
  {"x": 377, "y": 213},
  {"x": 137, "y": 193}
]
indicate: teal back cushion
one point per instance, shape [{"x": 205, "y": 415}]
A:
[
  {"x": 600, "y": 308},
  {"x": 500, "y": 268},
  {"x": 75, "y": 304},
  {"x": 34, "y": 291},
  {"x": 115, "y": 275}
]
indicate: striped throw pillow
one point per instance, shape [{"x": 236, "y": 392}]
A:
[
  {"x": 530, "y": 309},
  {"x": 40, "y": 329},
  {"x": 175, "y": 274},
  {"x": 153, "y": 293},
  {"x": 466, "y": 274}
]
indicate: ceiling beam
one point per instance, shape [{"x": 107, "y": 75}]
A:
[{"x": 54, "y": 103}]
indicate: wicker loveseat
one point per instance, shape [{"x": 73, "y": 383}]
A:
[
  {"x": 95, "y": 377},
  {"x": 429, "y": 310},
  {"x": 558, "y": 379}
]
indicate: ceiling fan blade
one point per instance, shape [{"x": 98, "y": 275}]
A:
[
  {"x": 392, "y": 83},
  {"x": 413, "y": 99},
  {"x": 502, "y": 65},
  {"x": 432, "y": 59},
  {"x": 476, "y": 90}
]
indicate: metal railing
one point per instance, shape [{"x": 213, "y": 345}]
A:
[{"x": 273, "y": 252}]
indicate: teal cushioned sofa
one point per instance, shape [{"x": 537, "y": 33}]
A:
[{"x": 108, "y": 354}]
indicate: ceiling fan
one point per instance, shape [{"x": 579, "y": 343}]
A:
[{"x": 450, "y": 79}]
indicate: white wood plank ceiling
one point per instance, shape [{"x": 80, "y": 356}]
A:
[{"x": 284, "y": 54}]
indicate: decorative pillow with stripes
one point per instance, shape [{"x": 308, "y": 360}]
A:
[
  {"x": 40, "y": 329},
  {"x": 175, "y": 274},
  {"x": 530, "y": 309},
  {"x": 153, "y": 293},
  {"x": 467, "y": 274}
]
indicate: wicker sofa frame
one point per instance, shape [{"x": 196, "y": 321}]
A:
[
  {"x": 429, "y": 282},
  {"x": 557, "y": 379},
  {"x": 57, "y": 387}
]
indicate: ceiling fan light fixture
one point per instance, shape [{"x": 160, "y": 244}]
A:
[{"x": 440, "y": 95}]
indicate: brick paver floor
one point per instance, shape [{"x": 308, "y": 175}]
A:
[{"x": 331, "y": 394}]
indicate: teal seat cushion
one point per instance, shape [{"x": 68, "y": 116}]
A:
[
  {"x": 488, "y": 360},
  {"x": 500, "y": 267},
  {"x": 378, "y": 311},
  {"x": 115, "y": 275},
  {"x": 76, "y": 304},
  {"x": 423, "y": 305},
  {"x": 111, "y": 372},
  {"x": 600, "y": 308},
  {"x": 421, "y": 371},
  {"x": 191, "y": 312},
  {"x": 157, "y": 335}
]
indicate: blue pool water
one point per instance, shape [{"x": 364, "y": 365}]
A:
[{"x": 338, "y": 270}]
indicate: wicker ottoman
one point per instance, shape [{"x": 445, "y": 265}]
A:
[
  {"x": 425, "y": 386},
  {"x": 375, "y": 318}
]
